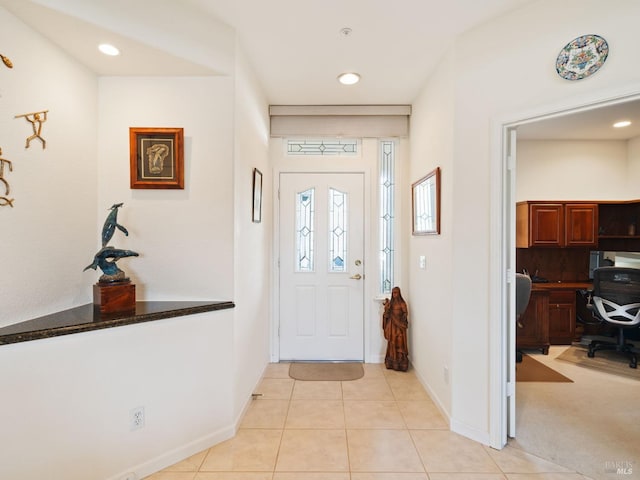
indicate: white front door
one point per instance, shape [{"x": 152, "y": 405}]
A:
[{"x": 321, "y": 266}]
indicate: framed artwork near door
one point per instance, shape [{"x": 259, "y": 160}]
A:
[
  {"x": 156, "y": 157},
  {"x": 257, "y": 196},
  {"x": 425, "y": 204}
]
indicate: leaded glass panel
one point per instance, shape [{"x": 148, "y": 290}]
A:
[
  {"x": 322, "y": 147},
  {"x": 337, "y": 230},
  {"x": 386, "y": 194},
  {"x": 305, "y": 212}
]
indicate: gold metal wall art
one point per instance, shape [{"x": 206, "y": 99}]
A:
[
  {"x": 4, "y": 199},
  {"x": 36, "y": 119},
  {"x": 6, "y": 61}
]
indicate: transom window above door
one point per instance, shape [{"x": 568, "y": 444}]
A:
[{"x": 340, "y": 147}]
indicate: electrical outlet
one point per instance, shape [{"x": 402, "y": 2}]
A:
[
  {"x": 446, "y": 375},
  {"x": 136, "y": 418}
]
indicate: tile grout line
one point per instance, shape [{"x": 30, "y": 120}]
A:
[
  {"x": 284, "y": 425},
  {"x": 346, "y": 433},
  {"x": 424, "y": 467}
]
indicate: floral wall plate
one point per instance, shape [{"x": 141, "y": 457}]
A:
[{"x": 581, "y": 57}]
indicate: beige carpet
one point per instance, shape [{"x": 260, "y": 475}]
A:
[
  {"x": 608, "y": 361},
  {"x": 588, "y": 426},
  {"x": 326, "y": 371},
  {"x": 530, "y": 370}
]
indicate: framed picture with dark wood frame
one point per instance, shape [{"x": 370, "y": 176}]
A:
[
  {"x": 257, "y": 196},
  {"x": 425, "y": 204},
  {"x": 156, "y": 157}
]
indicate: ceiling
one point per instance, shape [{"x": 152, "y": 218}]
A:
[
  {"x": 296, "y": 48},
  {"x": 591, "y": 124}
]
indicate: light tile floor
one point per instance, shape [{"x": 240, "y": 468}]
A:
[{"x": 381, "y": 427}]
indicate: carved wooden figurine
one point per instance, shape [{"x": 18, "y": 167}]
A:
[{"x": 395, "y": 324}]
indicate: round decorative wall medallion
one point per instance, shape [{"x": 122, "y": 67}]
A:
[{"x": 582, "y": 57}]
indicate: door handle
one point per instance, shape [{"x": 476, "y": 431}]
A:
[{"x": 357, "y": 276}]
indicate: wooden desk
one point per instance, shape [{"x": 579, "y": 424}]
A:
[{"x": 550, "y": 318}]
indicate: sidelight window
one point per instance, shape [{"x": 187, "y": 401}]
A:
[{"x": 386, "y": 193}]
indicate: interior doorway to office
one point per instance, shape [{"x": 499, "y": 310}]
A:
[{"x": 507, "y": 198}]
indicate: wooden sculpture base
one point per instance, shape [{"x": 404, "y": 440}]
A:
[{"x": 117, "y": 297}]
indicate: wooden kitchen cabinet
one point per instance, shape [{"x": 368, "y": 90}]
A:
[
  {"x": 562, "y": 316},
  {"x": 556, "y": 224},
  {"x": 534, "y": 332}
]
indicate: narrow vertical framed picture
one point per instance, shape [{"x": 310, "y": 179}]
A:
[
  {"x": 156, "y": 157},
  {"x": 257, "y": 196}
]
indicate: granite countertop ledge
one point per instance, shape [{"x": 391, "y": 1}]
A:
[{"x": 86, "y": 319}]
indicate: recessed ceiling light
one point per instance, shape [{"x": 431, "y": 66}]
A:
[
  {"x": 348, "y": 78},
  {"x": 108, "y": 49},
  {"x": 621, "y": 124}
]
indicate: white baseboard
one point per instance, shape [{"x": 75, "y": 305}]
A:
[
  {"x": 434, "y": 397},
  {"x": 454, "y": 425},
  {"x": 470, "y": 432},
  {"x": 185, "y": 451},
  {"x": 177, "y": 455}
]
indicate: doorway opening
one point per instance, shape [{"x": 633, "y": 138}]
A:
[{"x": 577, "y": 123}]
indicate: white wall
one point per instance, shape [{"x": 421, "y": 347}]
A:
[
  {"x": 432, "y": 124},
  {"x": 573, "y": 170},
  {"x": 505, "y": 69},
  {"x": 252, "y": 241},
  {"x": 633, "y": 157},
  {"x": 49, "y": 234},
  {"x": 67, "y": 400},
  {"x": 184, "y": 237}
]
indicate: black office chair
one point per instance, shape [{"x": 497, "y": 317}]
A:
[
  {"x": 523, "y": 294},
  {"x": 616, "y": 302}
]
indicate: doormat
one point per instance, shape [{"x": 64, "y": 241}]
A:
[
  {"x": 326, "y": 371},
  {"x": 608, "y": 361},
  {"x": 531, "y": 370}
]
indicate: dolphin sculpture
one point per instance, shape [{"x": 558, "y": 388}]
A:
[
  {"x": 107, "y": 256},
  {"x": 106, "y": 259},
  {"x": 111, "y": 223}
]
